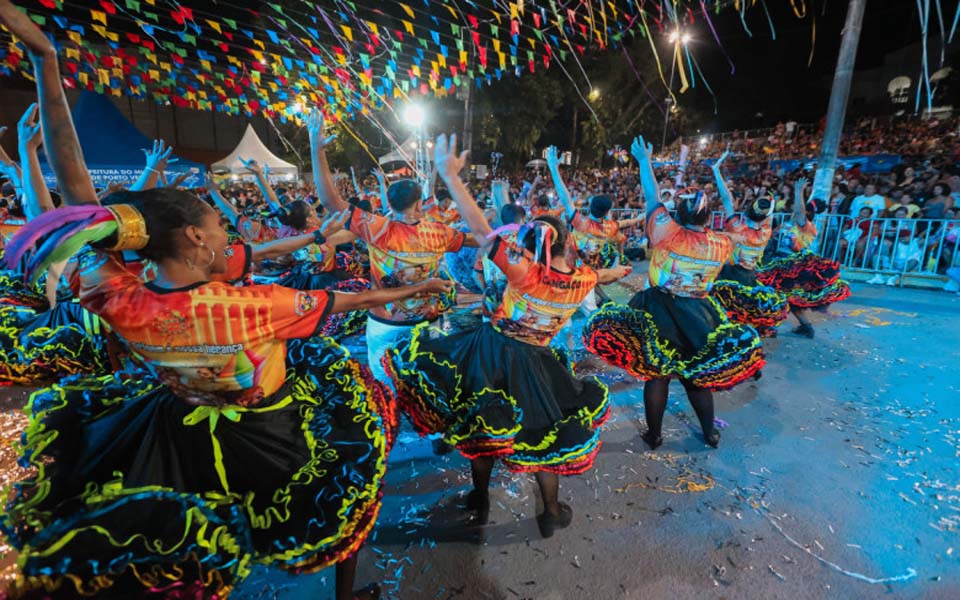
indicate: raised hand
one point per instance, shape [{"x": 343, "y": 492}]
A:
[
  {"x": 334, "y": 223},
  {"x": 640, "y": 150},
  {"x": 28, "y": 129},
  {"x": 723, "y": 157},
  {"x": 210, "y": 182},
  {"x": 380, "y": 176},
  {"x": 553, "y": 157},
  {"x": 315, "y": 125},
  {"x": 251, "y": 165},
  {"x": 448, "y": 162},
  {"x": 159, "y": 156}
]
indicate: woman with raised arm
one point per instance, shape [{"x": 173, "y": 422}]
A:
[
  {"x": 496, "y": 390},
  {"x": 404, "y": 249},
  {"x": 807, "y": 280},
  {"x": 736, "y": 288},
  {"x": 675, "y": 328},
  {"x": 597, "y": 239},
  {"x": 240, "y": 445}
]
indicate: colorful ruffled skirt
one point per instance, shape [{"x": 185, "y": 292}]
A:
[
  {"x": 749, "y": 302},
  {"x": 308, "y": 276},
  {"x": 135, "y": 493},
  {"x": 806, "y": 279},
  {"x": 355, "y": 262},
  {"x": 38, "y": 348},
  {"x": 661, "y": 335},
  {"x": 491, "y": 395}
]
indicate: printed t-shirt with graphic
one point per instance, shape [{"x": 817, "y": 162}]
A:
[
  {"x": 537, "y": 301},
  {"x": 404, "y": 254},
  {"x": 750, "y": 240},
  {"x": 209, "y": 342},
  {"x": 597, "y": 240},
  {"x": 684, "y": 262},
  {"x": 795, "y": 239}
]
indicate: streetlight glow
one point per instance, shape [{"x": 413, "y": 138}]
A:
[
  {"x": 414, "y": 116},
  {"x": 594, "y": 94},
  {"x": 677, "y": 35}
]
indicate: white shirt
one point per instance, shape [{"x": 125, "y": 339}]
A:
[{"x": 877, "y": 202}]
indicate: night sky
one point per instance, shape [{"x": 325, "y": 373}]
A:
[{"x": 772, "y": 76}]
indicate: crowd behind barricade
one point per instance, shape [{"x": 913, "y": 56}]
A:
[{"x": 904, "y": 221}]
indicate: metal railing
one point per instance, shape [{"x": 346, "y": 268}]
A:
[{"x": 893, "y": 251}]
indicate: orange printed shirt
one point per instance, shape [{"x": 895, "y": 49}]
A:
[
  {"x": 539, "y": 211},
  {"x": 594, "y": 238},
  {"x": 404, "y": 254},
  {"x": 210, "y": 341},
  {"x": 447, "y": 216},
  {"x": 537, "y": 301},
  {"x": 684, "y": 262},
  {"x": 749, "y": 241}
]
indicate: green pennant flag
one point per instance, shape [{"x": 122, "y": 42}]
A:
[
  {"x": 190, "y": 39},
  {"x": 454, "y": 29},
  {"x": 152, "y": 16},
  {"x": 275, "y": 7},
  {"x": 230, "y": 22},
  {"x": 39, "y": 19},
  {"x": 495, "y": 30},
  {"x": 133, "y": 5}
]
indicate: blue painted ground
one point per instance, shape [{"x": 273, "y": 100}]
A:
[{"x": 838, "y": 469}]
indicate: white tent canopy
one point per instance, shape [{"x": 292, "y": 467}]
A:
[{"x": 250, "y": 147}]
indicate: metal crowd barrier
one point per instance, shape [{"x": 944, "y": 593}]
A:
[{"x": 892, "y": 251}]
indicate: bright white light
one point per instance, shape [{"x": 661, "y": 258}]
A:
[
  {"x": 297, "y": 107},
  {"x": 673, "y": 36},
  {"x": 685, "y": 39},
  {"x": 414, "y": 116},
  {"x": 413, "y": 145},
  {"x": 594, "y": 94},
  {"x": 429, "y": 144},
  {"x": 703, "y": 141}
]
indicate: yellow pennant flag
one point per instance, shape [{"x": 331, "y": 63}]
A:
[
  {"x": 347, "y": 32},
  {"x": 73, "y": 53},
  {"x": 97, "y": 15},
  {"x": 74, "y": 37},
  {"x": 152, "y": 57},
  {"x": 259, "y": 44},
  {"x": 463, "y": 56},
  {"x": 82, "y": 78},
  {"x": 373, "y": 28},
  {"x": 407, "y": 10},
  {"x": 214, "y": 25},
  {"x": 100, "y": 29},
  {"x": 408, "y": 26},
  {"x": 103, "y": 76},
  {"x": 442, "y": 60}
]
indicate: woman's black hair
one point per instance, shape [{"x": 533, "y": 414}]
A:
[
  {"x": 557, "y": 244},
  {"x": 759, "y": 210},
  {"x": 543, "y": 201},
  {"x": 687, "y": 213},
  {"x": 403, "y": 194},
  {"x": 512, "y": 214},
  {"x": 295, "y": 215},
  {"x": 165, "y": 211},
  {"x": 600, "y": 205}
]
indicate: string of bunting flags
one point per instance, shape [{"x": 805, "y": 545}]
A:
[{"x": 350, "y": 57}]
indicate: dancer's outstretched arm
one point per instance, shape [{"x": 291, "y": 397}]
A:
[
  {"x": 553, "y": 163},
  {"x": 59, "y": 136},
  {"x": 799, "y": 204},
  {"x": 725, "y": 196},
  {"x": 449, "y": 164},
  {"x": 327, "y": 190},
  {"x": 36, "y": 196},
  {"x": 651, "y": 190}
]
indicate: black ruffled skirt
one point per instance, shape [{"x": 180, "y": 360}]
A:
[
  {"x": 806, "y": 279},
  {"x": 661, "y": 335},
  {"x": 747, "y": 301},
  {"x": 37, "y": 348},
  {"x": 491, "y": 395},
  {"x": 138, "y": 494}
]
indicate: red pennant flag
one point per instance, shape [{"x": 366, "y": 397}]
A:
[{"x": 108, "y": 7}]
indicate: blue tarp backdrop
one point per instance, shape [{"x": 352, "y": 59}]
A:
[
  {"x": 112, "y": 145},
  {"x": 869, "y": 163}
]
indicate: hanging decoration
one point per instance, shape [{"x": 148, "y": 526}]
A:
[{"x": 350, "y": 57}]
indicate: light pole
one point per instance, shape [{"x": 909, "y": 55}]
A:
[{"x": 677, "y": 37}]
